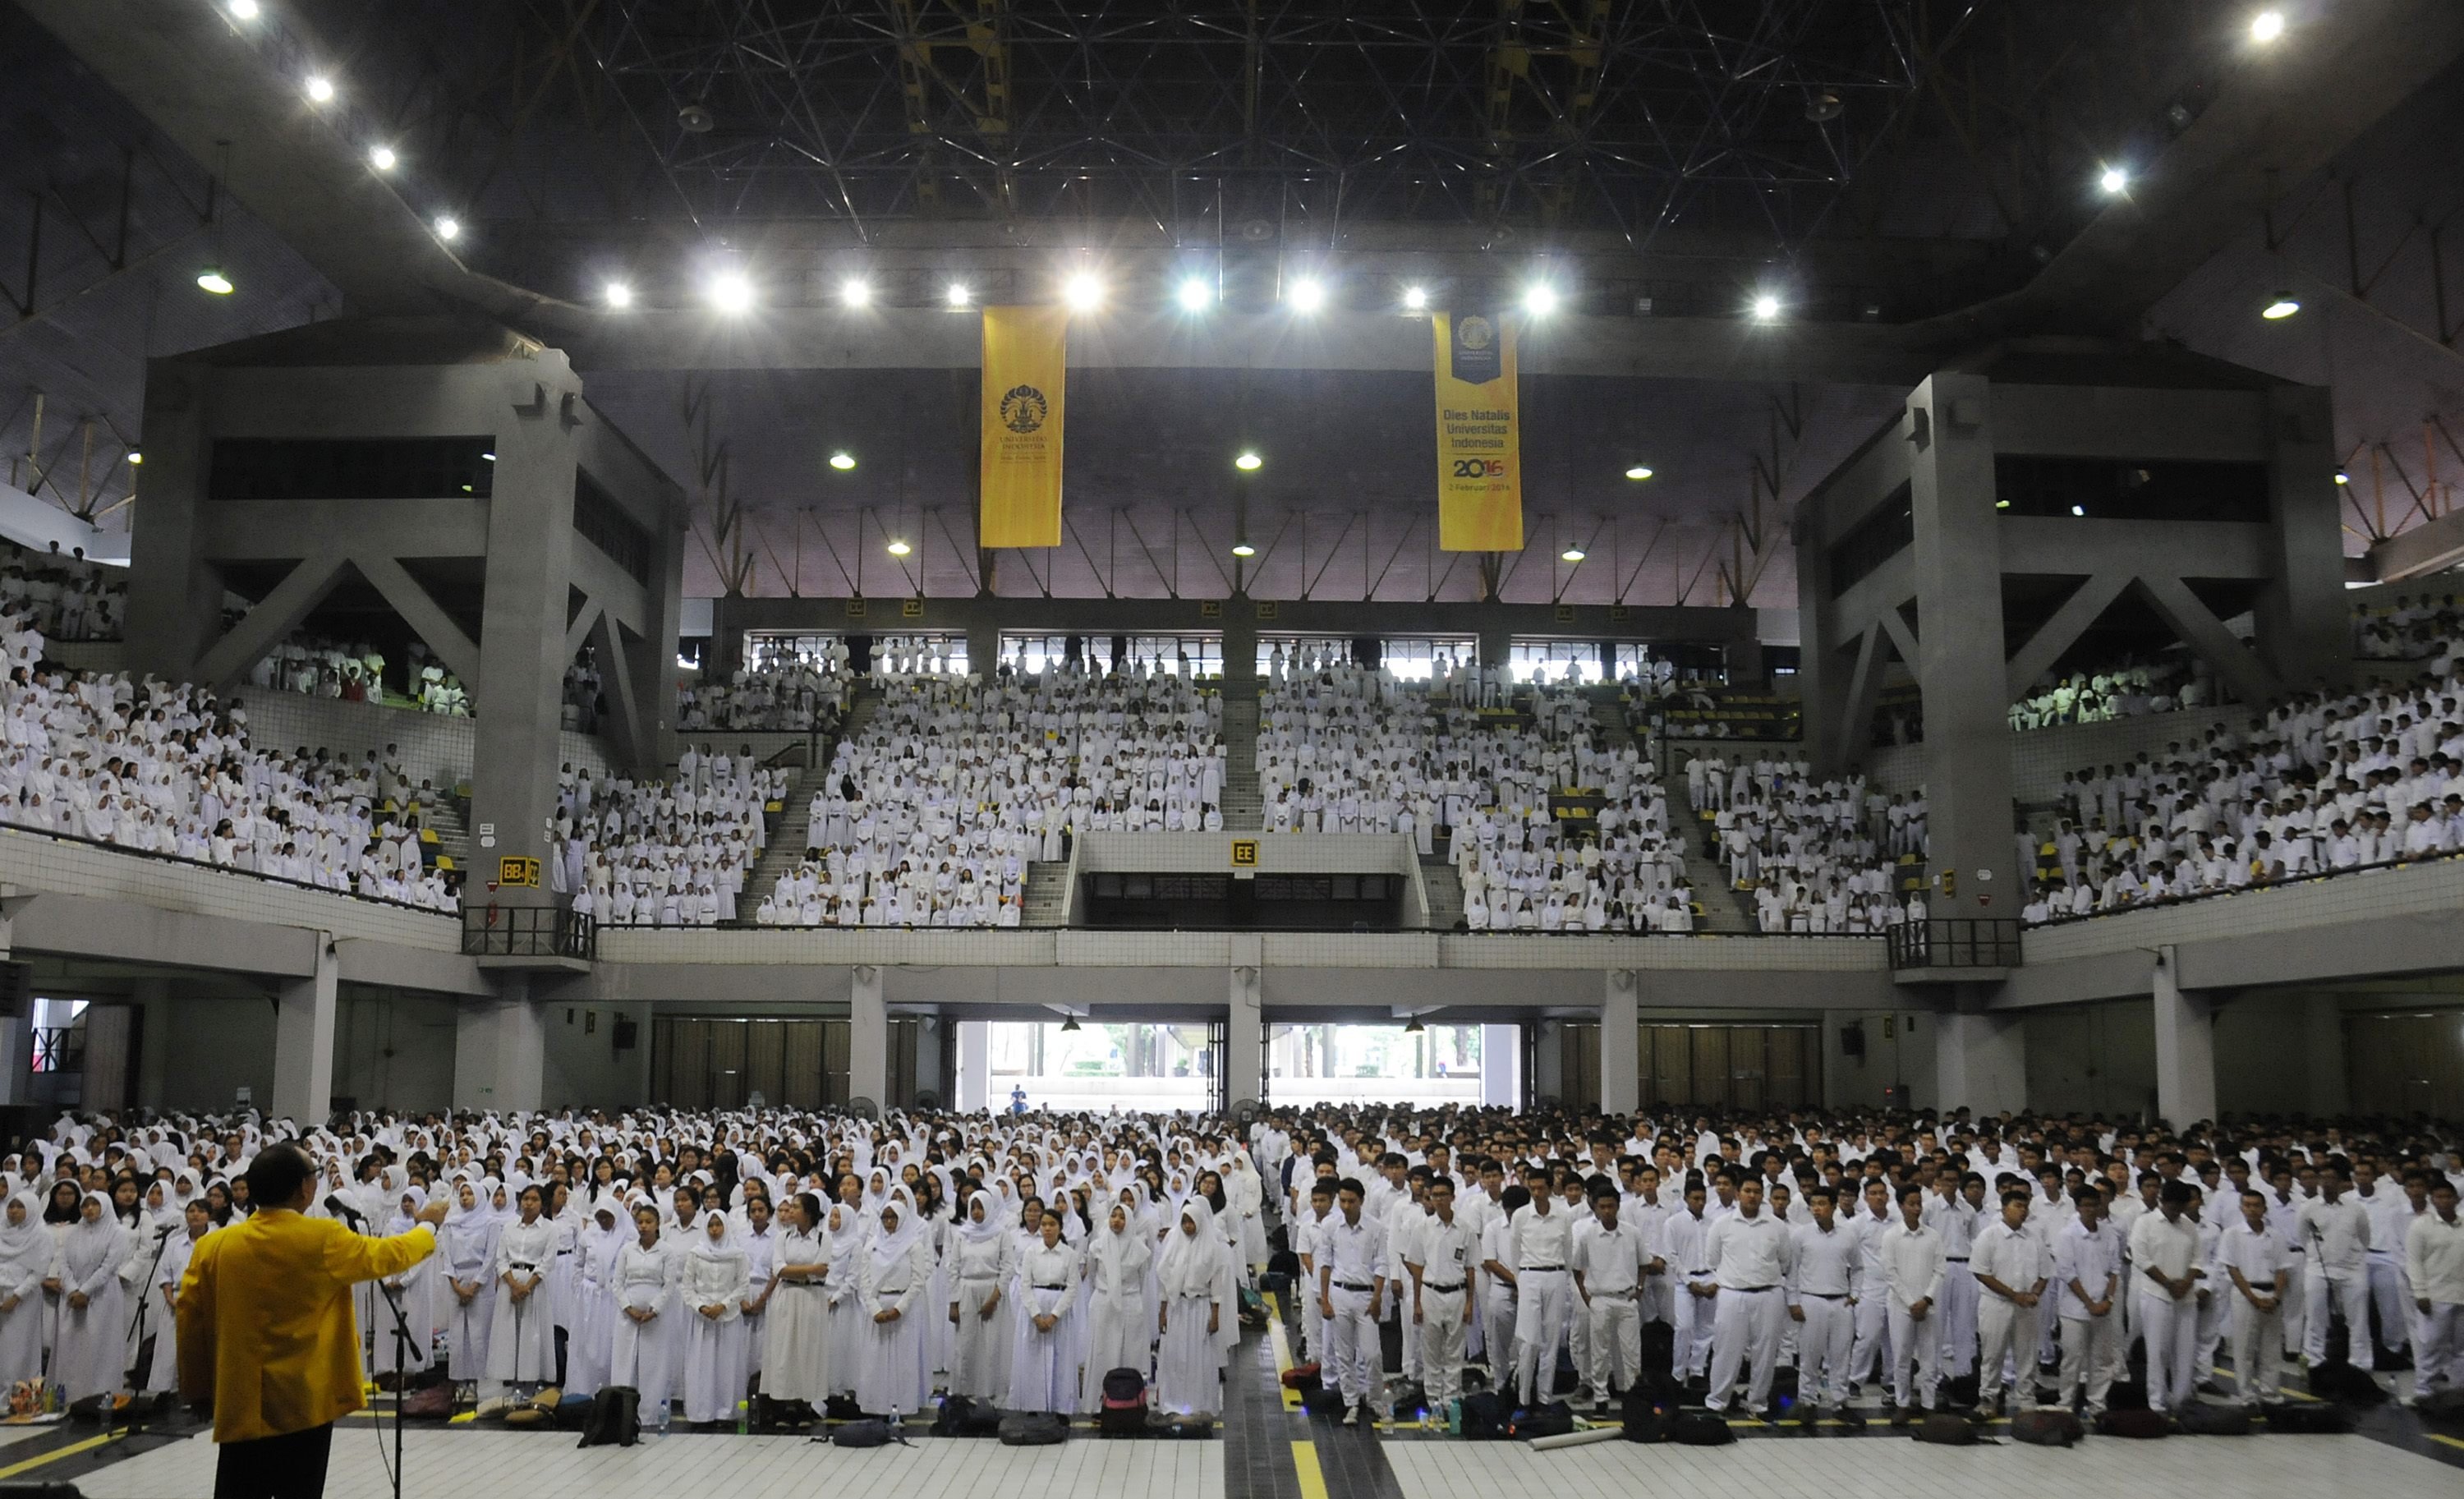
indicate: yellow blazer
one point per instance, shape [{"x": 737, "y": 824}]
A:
[{"x": 266, "y": 1327}]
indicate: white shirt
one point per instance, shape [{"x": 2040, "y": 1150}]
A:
[
  {"x": 1609, "y": 1260},
  {"x": 1444, "y": 1251},
  {"x": 1748, "y": 1253},
  {"x": 2090, "y": 1259},
  {"x": 2336, "y": 1234},
  {"x": 2017, "y": 1257},
  {"x": 2258, "y": 1254},
  {"x": 1912, "y": 1262},
  {"x": 1825, "y": 1262},
  {"x": 1351, "y": 1254},
  {"x": 1541, "y": 1241},
  {"x": 2433, "y": 1251},
  {"x": 2167, "y": 1245}
]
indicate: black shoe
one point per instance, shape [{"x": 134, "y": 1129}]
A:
[
  {"x": 1851, "y": 1418},
  {"x": 1808, "y": 1415}
]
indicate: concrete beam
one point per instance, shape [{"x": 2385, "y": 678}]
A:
[
  {"x": 2199, "y": 629},
  {"x": 1185, "y": 615},
  {"x": 2430, "y": 547},
  {"x": 2082, "y": 609},
  {"x": 445, "y": 638},
  {"x": 2082, "y": 546},
  {"x": 270, "y": 530},
  {"x": 276, "y": 616}
]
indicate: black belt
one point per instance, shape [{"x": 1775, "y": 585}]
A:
[
  {"x": 1040, "y": 1286},
  {"x": 1541, "y": 1269},
  {"x": 517, "y": 1265},
  {"x": 1956, "y": 1259},
  {"x": 1346, "y": 1284},
  {"x": 1748, "y": 1290},
  {"x": 1826, "y": 1296},
  {"x": 1432, "y": 1286}
]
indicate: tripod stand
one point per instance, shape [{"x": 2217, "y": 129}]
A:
[
  {"x": 135, "y": 1336},
  {"x": 402, "y": 1345}
]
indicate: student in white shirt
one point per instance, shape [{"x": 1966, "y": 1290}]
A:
[
  {"x": 1351, "y": 1290},
  {"x": 1440, "y": 1261},
  {"x": 2088, "y": 1271},
  {"x": 1609, "y": 1261},
  {"x": 1821, "y": 1300},
  {"x": 2164, "y": 1257},
  {"x": 1541, "y": 1238},
  {"x": 2336, "y": 1230},
  {"x": 1750, "y": 1252},
  {"x": 2013, "y": 1266},
  {"x": 1682, "y": 1239},
  {"x": 2251, "y": 1257},
  {"x": 1912, "y": 1273},
  {"x": 2434, "y": 1255}
]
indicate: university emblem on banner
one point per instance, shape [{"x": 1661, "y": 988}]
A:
[
  {"x": 1023, "y": 408},
  {"x": 1475, "y": 353}
]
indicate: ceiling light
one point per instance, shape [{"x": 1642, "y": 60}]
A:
[
  {"x": 449, "y": 228},
  {"x": 1249, "y": 463},
  {"x": 320, "y": 89},
  {"x": 1070, "y": 1023},
  {"x": 1637, "y": 472},
  {"x": 2282, "y": 307},
  {"x": 1243, "y": 549},
  {"x": 2001, "y": 504},
  {"x": 731, "y": 292},
  {"x": 245, "y": 10},
  {"x": 2267, "y": 26},
  {"x": 855, "y": 291},
  {"x": 487, "y": 457},
  {"x": 1083, "y": 292},
  {"x": 1194, "y": 294},
  {"x": 212, "y": 279},
  {"x": 1415, "y": 1027},
  {"x": 1572, "y": 554},
  {"x": 382, "y": 157},
  {"x": 959, "y": 294},
  {"x": 619, "y": 296},
  {"x": 1416, "y": 297},
  {"x": 1540, "y": 300},
  {"x": 898, "y": 548},
  {"x": 2114, "y": 180},
  {"x": 136, "y": 458},
  {"x": 843, "y": 461},
  {"x": 2343, "y": 477},
  {"x": 1765, "y": 307},
  {"x": 1307, "y": 294},
  {"x": 2078, "y": 510}
]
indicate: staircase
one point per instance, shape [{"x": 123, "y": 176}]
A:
[
  {"x": 785, "y": 849},
  {"x": 1725, "y": 909},
  {"x": 1445, "y": 893},
  {"x": 448, "y": 818},
  {"x": 1609, "y": 715},
  {"x": 1048, "y": 892},
  {"x": 1244, "y": 805}
]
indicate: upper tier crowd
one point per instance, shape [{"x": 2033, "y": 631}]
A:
[
  {"x": 58, "y": 595},
  {"x": 663, "y": 852},
  {"x": 794, "y": 688},
  {"x": 798, "y": 1262},
  {"x": 1819, "y": 857}
]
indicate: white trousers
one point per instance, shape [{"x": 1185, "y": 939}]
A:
[
  {"x": 2293, "y": 1311},
  {"x": 2351, "y": 1291},
  {"x": 1956, "y": 1312},
  {"x": 1823, "y": 1343},
  {"x": 2257, "y": 1350},
  {"x": 1498, "y": 1313},
  {"x": 2393, "y": 1295},
  {"x": 1745, "y": 1327},
  {"x": 1542, "y": 1310},
  {"x": 2006, "y": 1331},
  {"x": 1614, "y": 1325},
  {"x": 2171, "y": 1328},
  {"x": 2439, "y": 1356},
  {"x": 1914, "y": 1346},
  {"x": 1441, "y": 1344},
  {"x": 2091, "y": 1349},
  {"x": 1351, "y": 1358},
  {"x": 1691, "y": 1318},
  {"x": 1873, "y": 1335}
]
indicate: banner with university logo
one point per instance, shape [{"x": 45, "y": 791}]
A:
[
  {"x": 1479, "y": 461},
  {"x": 1024, "y": 367}
]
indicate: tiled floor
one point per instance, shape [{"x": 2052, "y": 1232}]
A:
[{"x": 492, "y": 1463}]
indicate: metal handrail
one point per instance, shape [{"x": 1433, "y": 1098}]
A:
[
  {"x": 529, "y": 932},
  {"x": 1955, "y": 942}
]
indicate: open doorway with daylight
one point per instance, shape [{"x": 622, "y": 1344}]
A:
[
  {"x": 1422, "y": 1066},
  {"x": 1073, "y": 1066}
]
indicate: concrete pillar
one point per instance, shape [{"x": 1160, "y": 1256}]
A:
[
  {"x": 1743, "y": 661},
  {"x": 983, "y": 643},
  {"x": 2329, "y": 1084},
  {"x": 1239, "y": 649},
  {"x": 1961, "y": 665},
  {"x": 17, "y": 1056},
  {"x": 1501, "y": 1066},
  {"x": 152, "y": 1000},
  {"x": 306, "y": 1012},
  {"x": 501, "y": 1049},
  {"x": 868, "y": 1039},
  {"x": 931, "y": 1037},
  {"x": 1548, "y": 1062},
  {"x": 1620, "y": 1045},
  {"x": 1980, "y": 1062},
  {"x": 2185, "y": 1049},
  {"x": 975, "y": 1065},
  {"x": 1245, "y": 1039},
  {"x": 2299, "y": 619},
  {"x": 1496, "y": 643},
  {"x": 176, "y": 599}
]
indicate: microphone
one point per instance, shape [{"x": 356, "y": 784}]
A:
[
  {"x": 165, "y": 1233},
  {"x": 334, "y": 1204}
]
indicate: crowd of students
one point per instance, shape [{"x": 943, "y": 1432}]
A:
[
  {"x": 774, "y": 1264},
  {"x": 931, "y": 813},
  {"x": 662, "y": 853},
  {"x": 2122, "y": 692},
  {"x": 794, "y": 687},
  {"x": 59, "y": 595},
  {"x": 166, "y": 769},
  {"x": 1819, "y": 857},
  {"x": 2414, "y": 627}
]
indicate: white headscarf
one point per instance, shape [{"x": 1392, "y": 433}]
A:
[{"x": 1191, "y": 1263}]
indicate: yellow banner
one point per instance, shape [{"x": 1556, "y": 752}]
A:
[
  {"x": 1025, "y": 363},
  {"x": 1480, "y": 459}
]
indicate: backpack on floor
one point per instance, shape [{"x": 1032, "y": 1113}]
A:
[
  {"x": 841, "y": 1408},
  {"x": 2046, "y": 1428},
  {"x": 1034, "y": 1429},
  {"x": 1323, "y": 1401},
  {"x": 1645, "y": 1420},
  {"x": 1124, "y": 1410},
  {"x": 1700, "y": 1429},
  {"x": 2142, "y": 1425},
  {"x": 2306, "y": 1421},
  {"x": 956, "y": 1414},
  {"x": 1944, "y": 1429},
  {"x": 2341, "y": 1381},
  {"x": 428, "y": 1402},
  {"x": 2126, "y": 1394},
  {"x": 1484, "y": 1416},
  {"x": 1411, "y": 1395},
  {"x": 862, "y": 1434},
  {"x": 2444, "y": 1406},
  {"x": 2212, "y": 1419},
  {"x": 1303, "y": 1377},
  {"x": 1553, "y": 1420},
  {"x": 573, "y": 1414},
  {"x": 1959, "y": 1391},
  {"x": 615, "y": 1418}
]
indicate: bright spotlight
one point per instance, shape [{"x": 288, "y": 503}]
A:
[
  {"x": 449, "y": 228},
  {"x": 1637, "y": 473},
  {"x": 1194, "y": 294},
  {"x": 2282, "y": 307},
  {"x": 619, "y": 296},
  {"x": 136, "y": 458},
  {"x": 843, "y": 461},
  {"x": 1307, "y": 294},
  {"x": 1249, "y": 463},
  {"x": 2343, "y": 477},
  {"x": 1766, "y": 307},
  {"x": 958, "y": 295},
  {"x": 382, "y": 157},
  {"x": 855, "y": 291},
  {"x": 1083, "y": 292},
  {"x": 731, "y": 292},
  {"x": 212, "y": 279},
  {"x": 1572, "y": 554},
  {"x": 1540, "y": 301},
  {"x": 898, "y": 548},
  {"x": 1243, "y": 549},
  {"x": 244, "y": 10},
  {"x": 2114, "y": 180},
  {"x": 1416, "y": 297},
  {"x": 2267, "y": 26},
  {"x": 2078, "y": 510},
  {"x": 320, "y": 89}
]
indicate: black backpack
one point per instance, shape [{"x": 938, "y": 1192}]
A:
[
  {"x": 956, "y": 1414},
  {"x": 1701, "y": 1429},
  {"x": 2306, "y": 1421},
  {"x": 841, "y": 1408},
  {"x": 2208, "y": 1419},
  {"x": 1645, "y": 1420},
  {"x": 2342, "y": 1381},
  {"x": 1484, "y": 1416},
  {"x": 862, "y": 1434},
  {"x": 1033, "y": 1429},
  {"x": 1553, "y": 1420},
  {"x": 2046, "y": 1428},
  {"x": 1324, "y": 1400},
  {"x": 615, "y": 1418},
  {"x": 1944, "y": 1429}
]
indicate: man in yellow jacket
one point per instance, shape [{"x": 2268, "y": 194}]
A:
[{"x": 267, "y": 1335}]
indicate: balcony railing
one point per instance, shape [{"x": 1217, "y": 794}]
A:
[
  {"x": 528, "y": 932},
  {"x": 1951, "y": 942}
]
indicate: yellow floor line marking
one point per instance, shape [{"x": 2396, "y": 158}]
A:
[
  {"x": 1282, "y": 1352},
  {"x": 2452, "y": 1441},
  {"x": 1313, "y": 1477},
  {"x": 75, "y": 1447}
]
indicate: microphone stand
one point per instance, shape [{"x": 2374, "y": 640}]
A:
[
  {"x": 136, "y": 1334},
  {"x": 401, "y": 1342}
]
